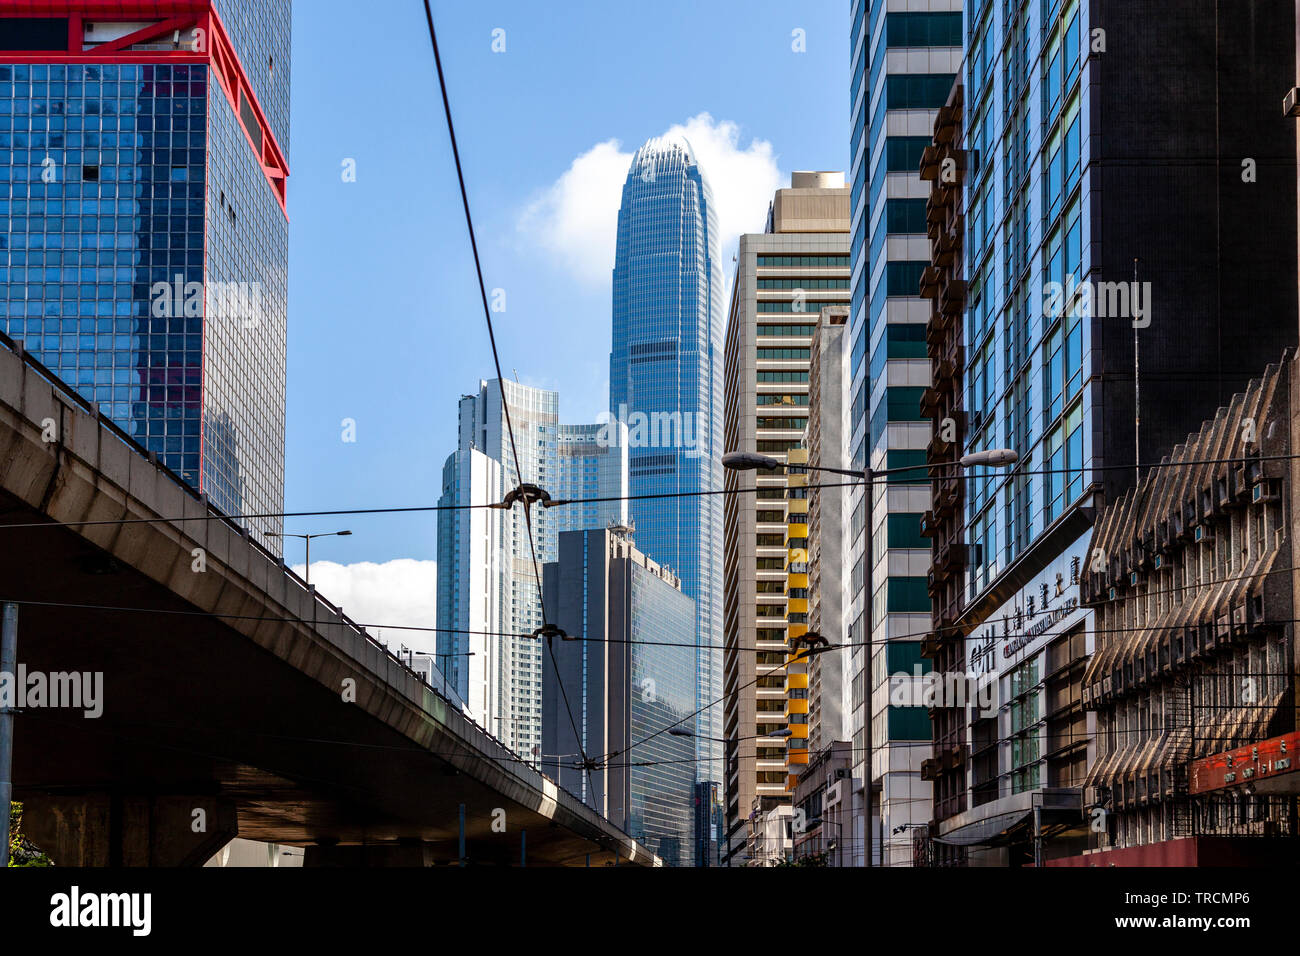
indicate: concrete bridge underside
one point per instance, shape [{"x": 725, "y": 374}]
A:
[{"x": 236, "y": 725}]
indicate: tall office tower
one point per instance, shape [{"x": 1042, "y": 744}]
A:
[
  {"x": 471, "y": 581},
  {"x": 592, "y": 466},
  {"x": 498, "y": 675},
  {"x": 665, "y": 384},
  {"x": 783, "y": 278},
  {"x": 903, "y": 62},
  {"x": 1083, "y": 319},
  {"x": 824, "y": 439},
  {"x": 146, "y": 251},
  {"x": 616, "y": 691}
]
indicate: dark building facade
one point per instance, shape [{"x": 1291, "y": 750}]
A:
[
  {"x": 1128, "y": 263},
  {"x": 943, "y": 165},
  {"x": 144, "y": 251}
]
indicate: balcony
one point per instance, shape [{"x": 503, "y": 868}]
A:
[
  {"x": 953, "y": 298},
  {"x": 930, "y": 280}
]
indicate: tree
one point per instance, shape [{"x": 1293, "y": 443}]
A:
[{"x": 22, "y": 851}]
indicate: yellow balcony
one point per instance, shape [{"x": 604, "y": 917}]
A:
[
  {"x": 796, "y": 530},
  {"x": 799, "y": 731},
  {"x": 795, "y": 630},
  {"x": 796, "y": 581},
  {"x": 796, "y": 481},
  {"x": 796, "y": 606},
  {"x": 796, "y": 681},
  {"x": 798, "y": 506},
  {"x": 796, "y": 757},
  {"x": 797, "y": 456},
  {"x": 796, "y": 707},
  {"x": 796, "y": 556}
]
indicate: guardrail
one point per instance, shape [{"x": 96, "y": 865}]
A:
[{"x": 76, "y": 398}]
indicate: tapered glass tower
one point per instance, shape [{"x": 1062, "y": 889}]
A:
[{"x": 665, "y": 374}]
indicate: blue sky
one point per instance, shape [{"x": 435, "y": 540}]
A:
[{"x": 385, "y": 326}]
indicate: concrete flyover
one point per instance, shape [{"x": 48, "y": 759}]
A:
[{"x": 236, "y": 724}]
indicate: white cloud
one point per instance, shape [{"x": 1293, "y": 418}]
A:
[
  {"x": 575, "y": 219},
  {"x": 399, "y": 592}
]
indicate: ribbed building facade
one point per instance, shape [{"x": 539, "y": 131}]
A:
[{"x": 1193, "y": 680}]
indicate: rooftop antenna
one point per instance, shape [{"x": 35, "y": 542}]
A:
[{"x": 1137, "y": 392}]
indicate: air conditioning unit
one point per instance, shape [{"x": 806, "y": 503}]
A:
[{"x": 1265, "y": 491}]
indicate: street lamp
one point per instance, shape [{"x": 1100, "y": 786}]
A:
[
  {"x": 749, "y": 461},
  {"x": 307, "y": 538}
]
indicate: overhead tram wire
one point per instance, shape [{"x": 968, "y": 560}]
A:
[
  {"x": 908, "y": 637},
  {"x": 340, "y": 512},
  {"x": 557, "y": 503},
  {"x": 496, "y": 359}
]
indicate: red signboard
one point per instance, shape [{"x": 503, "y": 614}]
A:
[{"x": 1265, "y": 760}]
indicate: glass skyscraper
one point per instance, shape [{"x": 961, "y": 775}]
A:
[
  {"x": 592, "y": 466},
  {"x": 665, "y": 374},
  {"x": 902, "y": 68},
  {"x": 631, "y": 677},
  {"x": 486, "y": 577},
  {"x": 143, "y": 232}
]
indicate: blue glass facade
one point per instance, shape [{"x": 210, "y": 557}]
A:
[
  {"x": 660, "y": 812},
  {"x": 143, "y": 253},
  {"x": 666, "y": 386},
  {"x": 631, "y": 678}
]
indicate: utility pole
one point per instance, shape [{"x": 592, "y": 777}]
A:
[{"x": 8, "y": 658}]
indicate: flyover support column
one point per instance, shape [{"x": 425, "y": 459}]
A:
[{"x": 109, "y": 829}]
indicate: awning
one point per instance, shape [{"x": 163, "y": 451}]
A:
[{"x": 992, "y": 831}]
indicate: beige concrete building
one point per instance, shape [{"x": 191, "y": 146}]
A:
[
  {"x": 784, "y": 277},
  {"x": 827, "y": 704}
]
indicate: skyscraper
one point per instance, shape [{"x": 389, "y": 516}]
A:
[
  {"x": 592, "y": 467},
  {"x": 632, "y": 676},
  {"x": 146, "y": 246},
  {"x": 784, "y": 276},
  {"x": 903, "y": 63},
  {"x": 665, "y": 385},
  {"x": 486, "y": 576}
]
